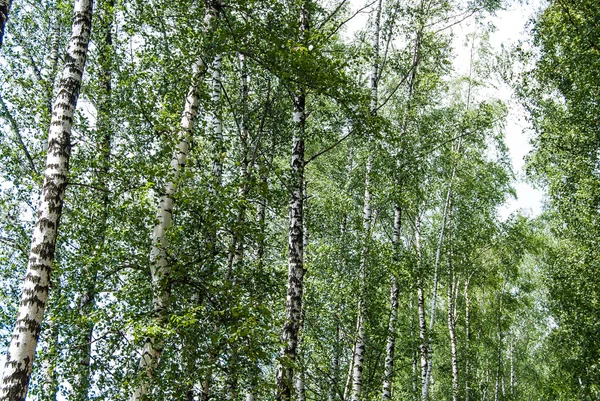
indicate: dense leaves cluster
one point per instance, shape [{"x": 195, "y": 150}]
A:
[{"x": 174, "y": 259}]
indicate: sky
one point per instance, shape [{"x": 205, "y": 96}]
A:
[{"x": 510, "y": 27}]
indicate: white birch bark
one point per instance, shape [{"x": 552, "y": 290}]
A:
[
  {"x": 236, "y": 252},
  {"x": 49, "y": 382},
  {"x": 4, "y": 12},
  {"x": 467, "y": 341},
  {"x": 159, "y": 266},
  {"x": 293, "y": 308},
  {"x": 359, "y": 345},
  {"x": 21, "y": 351},
  {"x": 421, "y": 312},
  {"x": 216, "y": 122},
  {"x": 82, "y": 380},
  {"x": 451, "y": 315},
  {"x": 434, "y": 296},
  {"x": 335, "y": 363},
  {"x": 391, "y": 336}
]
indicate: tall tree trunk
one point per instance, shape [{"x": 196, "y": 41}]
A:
[
  {"x": 236, "y": 252},
  {"x": 4, "y": 11},
  {"x": 335, "y": 363},
  {"x": 21, "y": 351},
  {"x": 421, "y": 311},
  {"x": 159, "y": 266},
  {"x": 451, "y": 314},
  {"x": 414, "y": 375},
  {"x": 391, "y": 340},
  {"x": 81, "y": 383},
  {"x": 295, "y": 286},
  {"x": 216, "y": 128},
  {"x": 434, "y": 296},
  {"x": 499, "y": 375},
  {"x": 359, "y": 346},
  {"x": 467, "y": 341}
]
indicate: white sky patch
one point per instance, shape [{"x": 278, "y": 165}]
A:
[{"x": 511, "y": 27}]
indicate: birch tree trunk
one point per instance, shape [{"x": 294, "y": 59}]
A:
[
  {"x": 421, "y": 311},
  {"x": 21, "y": 351},
  {"x": 159, "y": 266},
  {"x": 236, "y": 252},
  {"x": 293, "y": 307},
  {"x": 4, "y": 11},
  {"x": 391, "y": 340},
  {"x": 359, "y": 346},
  {"x": 434, "y": 296},
  {"x": 467, "y": 341},
  {"x": 451, "y": 315},
  {"x": 81, "y": 383},
  {"x": 49, "y": 384}
]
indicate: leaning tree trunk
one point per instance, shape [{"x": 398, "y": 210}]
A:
[
  {"x": 4, "y": 11},
  {"x": 21, "y": 352},
  {"x": 159, "y": 266},
  {"x": 293, "y": 307}
]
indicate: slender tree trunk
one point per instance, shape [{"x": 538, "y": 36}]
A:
[
  {"x": 451, "y": 301},
  {"x": 295, "y": 285},
  {"x": 159, "y": 266},
  {"x": 236, "y": 253},
  {"x": 421, "y": 312},
  {"x": 414, "y": 375},
  {"x": 434, "y": 296},
  {"x": 499, "y": 375},
  {"x": 81, "y": 383},
  {"x": 513, "y": 380},
  {"x": 300, "y": 387},
  {"x": 335, "y": 363},
  {"x": 4, "y": 11},
  {"x": 21, "y": 351},
  {"x": 216, "y": 121},
  {"x": 359, "y": 346},
  {"x": 467, "y": 341},
  {"x": 391, "y": 340}
]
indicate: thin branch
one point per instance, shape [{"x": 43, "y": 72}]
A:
[
  {"x": 349, "y": 19},
  {"x": 322, "y": 152},
  {"x": 15, "y": 127},
  {"x": 14, "y": 244},
  {"x": 332, "y": 14},
  {"x": 402, "y": 81},
  {"x": 457, "y": 22},
  {"x": 79, "y": 184}
]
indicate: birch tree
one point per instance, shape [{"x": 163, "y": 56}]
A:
[
  {"x": 293, "y": 306},
  {"x": 20, "y": 355}
]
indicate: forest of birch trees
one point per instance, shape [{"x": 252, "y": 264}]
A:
[{"x": 296, "y": 200}]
